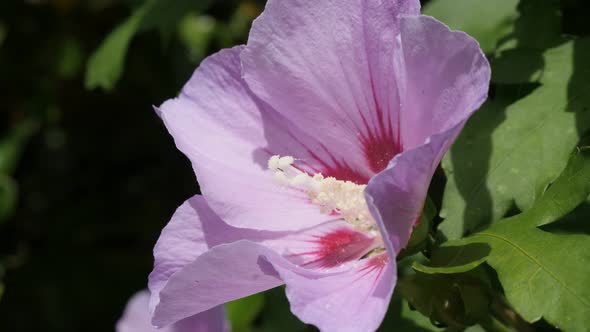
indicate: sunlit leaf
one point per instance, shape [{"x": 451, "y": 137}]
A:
[
  {"x": 544, "y": 275},
  {"x": 575, "y": 222},
  {"x": 567, "y": 192},
  {"x": 513, "y": 148},
  {"x": 486, "y": 21},
  {"x": 454, "y": 259},
  {"x": 519, "y": 56},
  {"x": 537, "y": 26}
]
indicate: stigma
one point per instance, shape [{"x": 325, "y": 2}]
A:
[{"x": 333, "y": 196}]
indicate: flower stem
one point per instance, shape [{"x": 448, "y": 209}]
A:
[
  {"x": 494, "y": 325},
  {"x": 501, "y": 310}
]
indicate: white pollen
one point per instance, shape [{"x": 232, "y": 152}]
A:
[
  {"x": 331, "y": 195},
  {"x": 281, "y": 178},
  {"x": 273, "y": 163},
  {"x": 286, "y": 162},
  {"x": 300, "y": 179}
]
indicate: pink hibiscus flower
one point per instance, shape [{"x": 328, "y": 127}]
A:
[
  {"x": 314, "y": 146},
  {"x": 136, "y": 318}
]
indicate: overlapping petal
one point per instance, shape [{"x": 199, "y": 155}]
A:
[
  {"x": 328, "y": 66},
  {"x": 396, "y": 196},
  {"x": 229, "y": 135},
  {"x": 354, "y": 300},
  {"x": 446, "y": 79},
  {"x": 444, "y": 76},
  {"x": 193, "y": 229},
  {"x": 222, "y": 274},
  {"x": 201, "y": 262}
]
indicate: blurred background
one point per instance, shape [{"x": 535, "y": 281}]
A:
[{"x": 88, "y": 174}]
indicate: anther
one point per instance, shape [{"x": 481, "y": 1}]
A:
[{"x": 331, "y": 195}]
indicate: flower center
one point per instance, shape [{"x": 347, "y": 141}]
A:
[{"x": 333, "y": 196}]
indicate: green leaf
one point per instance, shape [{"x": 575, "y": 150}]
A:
[
  {"x": 277, "y": 316},
  {"x": 570, "y": 189},
  {"x": 196, "y": 31},
  {"x": 576, "y": 222},
  {"x": 517, "y": 66},
  {"x": 242, "y": 313},
  {"x": 512, "y": 148},
  {"x": 538, "y": 26},
  {"x": 8, "y": 196},
  {"x": 420, "y": 234},
  {"x": 13, "y": 144},
  {"x": 486, "y": 21},
  {"x": 70, "y": 58},
  {"x": 475, "y": 328},
  {"x": 400, "y": 317},
  {"x": 433, "y": 296},
  {"x": 239, "y": 23},
  {"x": 543, "y": 274},
  {"x": 165, "y": 15},
  {"x": 11, "y": 148},
  {"x": 520, "y": 53},
  {"x": 566, "y": 193},
  {"x": 429, "y": 210},
  {"x": 106, "y": 64},
  {"x": 454, "y": 259},
  {"x": 455, "y": 300}
]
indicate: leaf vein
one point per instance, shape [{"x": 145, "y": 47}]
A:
[{"x": 538, "y": 263}]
